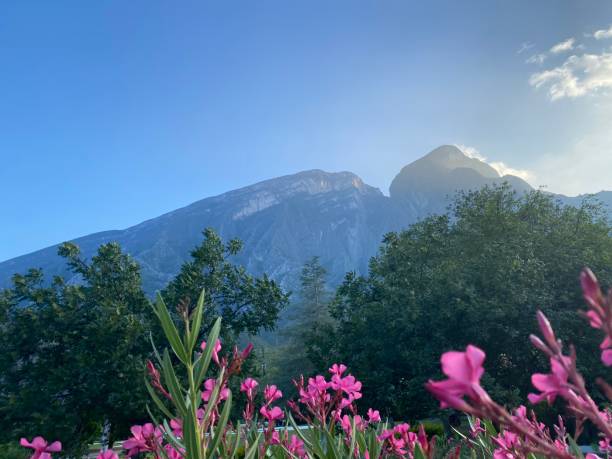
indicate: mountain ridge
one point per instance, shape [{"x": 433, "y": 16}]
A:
[{"x": 285, "y": 220}]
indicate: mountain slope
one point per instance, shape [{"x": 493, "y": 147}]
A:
[
  {"x": 282, "y": 222},
  {"x": 285, "y": 221}
]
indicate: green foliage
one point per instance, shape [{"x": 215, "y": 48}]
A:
[
  {"x": 13, "y": 450},
  {"x": 71, "y": 352},
  {"x": 431, "y": 428},
  {"x": 245, "y": 303},
  {"x": 476, "y": 275},
  {"x": 309, "y": 312}
]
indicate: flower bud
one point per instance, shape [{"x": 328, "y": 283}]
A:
[
  {"x": 590, "y": 288},
  {"x": 547, "y": 331}
]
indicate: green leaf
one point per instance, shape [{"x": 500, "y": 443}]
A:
[
  {"x": 219, "y": 431},
  {"x": 196, "y": 324},
  {"x": 157, "y": 400},
  {"x": 250, "y": 453},
  {"x": 191, "y": 435},
  {"x": 172, "y": 335},
  {"x": 174, "y": 387},
  {"x": 203, "y": 362},
  {"x": 299, "y": 432}
]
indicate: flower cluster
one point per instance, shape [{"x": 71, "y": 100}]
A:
[
  {"x": 523, "y": 435},
  {"x": 197, "y": 416},
  {"x": 324, "y": 401}
]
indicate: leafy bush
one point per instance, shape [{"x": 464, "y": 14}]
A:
[{"x": 196, "y": 409}]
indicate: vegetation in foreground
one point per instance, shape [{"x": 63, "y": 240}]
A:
[
  {"x": 195, "y": 412},
  {"x": 73, "y": 348}
]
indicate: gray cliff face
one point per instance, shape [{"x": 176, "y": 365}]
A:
[
  {"x": 285, "y": 221},
  {"x": 282, "y": 222}
]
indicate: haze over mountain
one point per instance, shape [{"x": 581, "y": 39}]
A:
[{"x": 286, "y": 220}]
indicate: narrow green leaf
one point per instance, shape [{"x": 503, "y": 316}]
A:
[
  {"x": 170, "y": 330},
  {"x": 196, "y": 324},
  {"x": 175, "y": 441},
  {"x": 220, "y": 426},
  {"x": 298, "y": 432},
  {"x": 191, "y": 435},
  {"x": 250, "y": 454},
  {"x": 203, "y": 362},
  {"x": 174, "y": 387},
  {"x": 162, "y": 407}
]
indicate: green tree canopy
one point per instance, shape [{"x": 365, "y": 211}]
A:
[
  {"x": 245, "y": 303},
  {"x": 309, "y": 312},
  {"x": 72, "y": 352},
  {"x": 476, "y": 275}
]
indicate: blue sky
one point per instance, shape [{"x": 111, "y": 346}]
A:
[{"x": 117, "y": 111}]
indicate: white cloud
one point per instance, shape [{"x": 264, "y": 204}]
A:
[
  {"x": 536, "y": 59},
  {"x": 501, "y": 168},
  {"x": 471, "y": 152},
  {"x": 504, "y": 169},
  {"x": 566, "y": 45},
  {"x": 583, "y": 168},
  {"x": 604, "y": 33},
  {"x": 577, "y": 76},
  {"x": 525, "y": 47}
]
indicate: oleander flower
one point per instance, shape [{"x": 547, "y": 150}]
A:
[{"x": 41, "y": 447}]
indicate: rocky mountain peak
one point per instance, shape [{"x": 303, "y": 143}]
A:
[{"x": 445, "y": 170}]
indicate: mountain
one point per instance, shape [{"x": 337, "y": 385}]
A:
[
  {"x": 286, "y": 220},
  {"x": 282, "y": 223},
  {"x": 424, "y": 185}
]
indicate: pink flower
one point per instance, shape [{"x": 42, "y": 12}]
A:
[
  {"x": 271, "y": 393},
  {"x": 41, "y": 447},
  {"x": 590, "y": 288},
  {"x": 246, "y": 351},
  {"x": 476, "y": 429},
  {"x": 172, "y": 452},
  {"x": 108, "y": 454},
  {"x": 337, "y": 369},
  {"x": 605, "y": 445},
  {"x": 177, "y": 427},
  {"x": 396, "y": 441},
  {"x": 464, "y": 370},
  {"x": 606, "y": 357},
  {"x": 209, "y": 387},
  {"x": 316, "y": 392},
  {"x": 272, "y": 414},
  {"x": 546, "y": 329},
  {"x": 507, "y": 442},
  {"x": 144, "y": 438},
  {"x": 215, "y": 351},
  {"x": 346, "y": 423},
  {"x": 349, "y": 385},
  {"x": 373, "y": 415},
  {"x": 552, "y": 384},
  {"x": 296, "y": 446},
  {"x": 248, "y": 386}
]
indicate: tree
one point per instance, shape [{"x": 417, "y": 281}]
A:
[
  {"x": 72, "y": 352},
  {"x": 476, "y": 275},
  {"x": 245, "y": 303},
  {"x": 309, "y": 313}
]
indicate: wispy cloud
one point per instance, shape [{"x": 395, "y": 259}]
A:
[
  {"x": 500, "y": 167},
  {"x": 536, "y": 59},
  {"x": 582, "y": 166},
  {"x": 577, "y": 76},
  {"x": 603, "y": 33},
  {"x": 564, "y": 46},
  {"x": 525, "y": 47}
]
